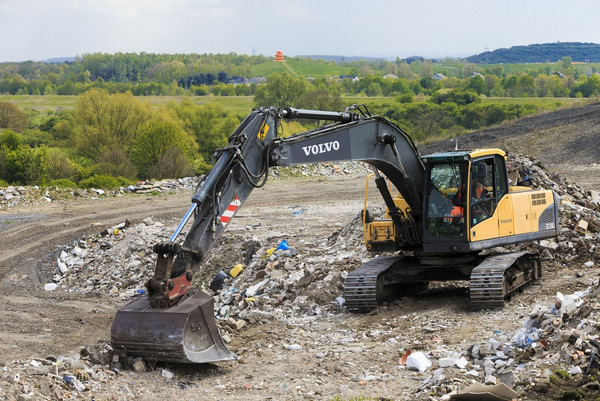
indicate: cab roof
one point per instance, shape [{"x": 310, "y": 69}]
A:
[{"x": 460, "y": 155}]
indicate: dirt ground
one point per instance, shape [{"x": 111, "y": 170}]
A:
[{"x": 341, "y": 355}]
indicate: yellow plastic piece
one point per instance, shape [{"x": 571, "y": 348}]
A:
[{"x": 236, "y": 270}]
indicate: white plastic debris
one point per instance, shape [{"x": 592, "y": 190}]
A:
[
  {"x": 167, "y": 374},
  {"x": 575, "y": 370},
  {"x": 462, "y": 362},
  {"x": 50, "y": 286},
  {"x": 418, "y": 361},
  {"x": 568, "y": 303}
]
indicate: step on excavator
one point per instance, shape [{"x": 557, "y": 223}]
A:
[{"x": 444, "y": 214}]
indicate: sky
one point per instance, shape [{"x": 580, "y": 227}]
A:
[{"x": 42, "y": 29}]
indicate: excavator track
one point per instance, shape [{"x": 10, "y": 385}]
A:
[
  {"x": 363, "y": 289},
  {"x": 498, "y": 277}
]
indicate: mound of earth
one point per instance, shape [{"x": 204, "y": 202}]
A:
[{"x": 565, "y": 141}]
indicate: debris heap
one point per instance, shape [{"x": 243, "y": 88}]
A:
[{"x": 272, "y": 278}]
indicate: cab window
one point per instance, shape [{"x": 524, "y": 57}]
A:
[
  {"x": 483, "y": 190},
  {"x": 446, "y": 200}
]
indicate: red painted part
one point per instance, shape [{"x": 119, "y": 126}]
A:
[{"x": 180, "y": 286}]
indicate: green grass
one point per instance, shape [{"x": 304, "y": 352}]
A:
[
  {"x": 302, "y": 68},
  {"x": 41, "y": 103},
  {"x": 242, "y": 105}
]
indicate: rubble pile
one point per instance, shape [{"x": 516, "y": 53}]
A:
[
  {"x": 13, "y": 196},
  {"x": 117, "y": 261},
  {"x": 300, "y": 279},
  {"x": 579, "y": 212},
  {"x": 321, "y": 169},
  {"x": 276, "y": 279}
]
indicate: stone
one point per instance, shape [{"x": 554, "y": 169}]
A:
[
  {"x": 138, "y": 365},
  {"x": 509, "y": 378}
]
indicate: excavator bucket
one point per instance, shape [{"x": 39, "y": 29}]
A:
[{"x": 183, "y": 333}]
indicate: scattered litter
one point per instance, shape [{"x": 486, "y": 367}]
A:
[
  {"x": 418, "y": 361},
  {"x": 480, "y": 392}
]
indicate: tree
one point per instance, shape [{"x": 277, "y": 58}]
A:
[
  {"x": 209, "y": 123},
  {"x": 11, "y": 117},
  {"x": 10, "y": 139},
  {"x": 108, "y": 121},
  {"x": 477, "y": 83},
  {"x": 163, "y": 150},
  {"x": 281, "y": 90},
  {"x": 320, "y": 100}
]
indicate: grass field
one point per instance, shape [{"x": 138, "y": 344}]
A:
[
  {"x": 301, "y": 68},
  {"x": 242, "y": 105}
]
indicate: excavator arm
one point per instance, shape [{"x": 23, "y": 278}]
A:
[
  {"x": 255, "y": 146},
  {"x": 176, "y": 323}
]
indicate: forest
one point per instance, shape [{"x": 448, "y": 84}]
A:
[{"x": 114, "y": 134}]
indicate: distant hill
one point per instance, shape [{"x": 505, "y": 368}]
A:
[
  {"x": 60, "y": 60},
  {"x": 540, "y": 53}
]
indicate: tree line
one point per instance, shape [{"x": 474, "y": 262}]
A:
[
  {"x": 227, "y": 75},
  {"x": 113, "y": 138}
]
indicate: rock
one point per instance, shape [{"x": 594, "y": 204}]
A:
[
  {"x": 138, "y": 365},
  {"x": 509, "y": 378},
  {"x": 38, "y": 370}
]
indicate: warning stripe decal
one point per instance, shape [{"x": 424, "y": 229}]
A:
[{"x": 231, "y": 209}]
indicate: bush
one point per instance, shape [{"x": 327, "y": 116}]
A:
[
  {"x": 24, "y": 165},
  {"x": 3, "y": 184},
  {"x": 405, "y": 98},
  {"x": 10, "y": 139},
  {"x": 100, "y": 181},
  {"x": 59, "y": 166},
  {"x": 62, "y": 183}
]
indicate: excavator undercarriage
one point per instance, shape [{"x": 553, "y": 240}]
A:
[{"x": 493, "y": 279}]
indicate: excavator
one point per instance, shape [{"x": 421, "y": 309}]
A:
[{"x": 445, "y": 214}]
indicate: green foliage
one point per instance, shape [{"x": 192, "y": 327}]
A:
[
  {"x": 162, "y": 149},
  {"x": 587, "y": 87},
  {"x": 201, "y": 166},
  {"x": 10, "y": 139},
  {"x": 62, "y": 183},
  {"x": 59, "y": 166},
  {"x": 283, "y": 90},
  {"x": 475, "y": 116},
  {"x": 210, "y": 124},
  {"x": 115, "y": 162},
  {"x": 104, "y": 181},
  {"x": 108, "y": 121},
  {"x": 35, "y": 137},
  {"x": 11, "y": 117},
  {"x": 24, "y": 165},
  {"x": 3, "y": 183},
  {"x": 320, "y": 100},
  {"x": 540, "y": 53},
  {"x": 457, "y": 96},
  {"x": 405, "y": 98}
]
